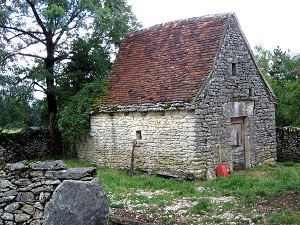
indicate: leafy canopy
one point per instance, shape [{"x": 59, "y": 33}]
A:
[
  {"x": 282, "y": 69},
  {"x": 59, "y": 47}
]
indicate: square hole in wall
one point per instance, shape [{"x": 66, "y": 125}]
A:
[{"x": 138, "y": 135}]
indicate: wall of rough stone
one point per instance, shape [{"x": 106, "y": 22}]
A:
[
  {"x": 288, "y": 144},
  {"x": 168, "y": 141},
  {"x": 26, "y": 189},
  {"x": 31, "y": 144},
  {"x": 227, "y": 96}
]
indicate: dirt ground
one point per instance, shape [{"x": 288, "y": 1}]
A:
[{"x": 175, "y": 214}]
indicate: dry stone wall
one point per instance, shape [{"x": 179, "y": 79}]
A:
[
  {"x": 29, "y": 193},
  {"x": 288, "y": 144},
  {"x": 31, "y": 144}
]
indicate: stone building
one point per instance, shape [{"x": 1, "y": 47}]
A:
[{"x": 191, "y": 94}]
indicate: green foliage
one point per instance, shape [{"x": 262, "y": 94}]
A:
[
  {"x": 63, "y": 48},
  {"x": 286, "y": 217},
  {"x": 75, "y": 114},
  {"x": 202, "y": 206},
  {"x": 90, "y": 63},
  {"x": 282, "y": 70}
]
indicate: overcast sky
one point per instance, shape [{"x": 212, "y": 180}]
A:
[{"x": 270, "y": 23}]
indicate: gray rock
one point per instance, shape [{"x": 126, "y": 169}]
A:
[
  {"x": 22, "y": 217},
  {"x": 10, "y": 193},
  {"x": 12, "y": 207},
  {"x": 37, "y": 173},
  {"x": 25, "y": 197},
  {"x": 38, "y": 214},
  {"x": 9, "y": 223},
  {"x": 17, "y": 166},
  {"x": 38, "y": 206},
  {"x": 29, "y": 209},
  {"x": 48, "y": 188},
  {"x": 22, "y": 182},
  {"x": 6, "y": 199},
  {"x": 34, "y": 222},
  {"x": 5, "y": 184},
  {"x": 44, "y": 197},
  {"x": 54, "y": 165},
  {"x": 7, "y": 216},
  {"x": 77, "y": 202},
  {"x": 72, "y": 173}
]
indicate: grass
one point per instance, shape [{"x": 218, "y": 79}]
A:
[
  {"x": 202, "y": 206},
  {"x": 247, "y": 187},
  {"x": 286, "y": 217}
]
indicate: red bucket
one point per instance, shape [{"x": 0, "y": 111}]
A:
[{"x": 222, "y": 171}]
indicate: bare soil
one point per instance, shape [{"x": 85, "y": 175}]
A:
[{"x": 254, "y": 214}]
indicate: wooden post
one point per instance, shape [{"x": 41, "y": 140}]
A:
[{"x": 132, "y": 158}]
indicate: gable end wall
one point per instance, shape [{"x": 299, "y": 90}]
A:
[{"x": 226, "y": 96}]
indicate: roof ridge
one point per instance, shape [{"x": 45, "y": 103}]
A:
[{"x": 216, "y": 15}]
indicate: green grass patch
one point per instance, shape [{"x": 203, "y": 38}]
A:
[
  {"x": 247, "y": 187},
  {"x": 286, "y": 217},
  {"x": 202, "y": 206}
]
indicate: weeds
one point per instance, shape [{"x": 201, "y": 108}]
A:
[
  {"x": 286, "y": 217},
  {"x": 149, "y": 194},
  {"x": 202, "y": 206}
]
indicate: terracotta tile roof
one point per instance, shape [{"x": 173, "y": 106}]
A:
[{"x": 167, "y": 62}]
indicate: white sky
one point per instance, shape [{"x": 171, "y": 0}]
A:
[{"x": 270, "y": 23}]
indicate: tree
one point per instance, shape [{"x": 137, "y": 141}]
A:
[
  {"x": 282, "y": 69},
  {"x": 38, "y": 35}
]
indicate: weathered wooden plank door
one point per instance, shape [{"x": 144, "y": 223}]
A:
[{"x": 238, "y": 143}]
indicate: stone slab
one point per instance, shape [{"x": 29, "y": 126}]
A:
[{"x": 77, "y": 202}]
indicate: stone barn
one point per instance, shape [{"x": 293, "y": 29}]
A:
[{"x": 187, "y": 96}]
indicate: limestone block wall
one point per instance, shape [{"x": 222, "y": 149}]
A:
[
  {"x": 228, "y": 95},
  {"x": 26, "y": 189},
  {"x": 166, "y": 141},
  {"x": 288, "y": 144}
]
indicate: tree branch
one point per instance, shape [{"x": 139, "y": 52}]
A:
[
  {"x": 23, "y": 32},
  {"x": 37, "y": 17},
  {"x": 29, "y": 55}
]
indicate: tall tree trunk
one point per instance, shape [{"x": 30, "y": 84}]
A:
[
  {"x": 51, "y": 100},
  {"x": 54, "y": 131}
]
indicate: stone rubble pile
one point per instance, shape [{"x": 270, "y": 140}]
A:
[{"x": 27, "y": 189}]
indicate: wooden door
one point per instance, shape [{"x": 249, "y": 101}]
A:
[{"x": 238, "y": 143}]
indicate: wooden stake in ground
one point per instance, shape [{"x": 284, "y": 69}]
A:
[{"x": 132, "y": 158}]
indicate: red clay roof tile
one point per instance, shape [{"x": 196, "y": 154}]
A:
[{"x": 167, "y": 62}]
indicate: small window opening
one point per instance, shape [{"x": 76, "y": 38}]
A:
[
  {"x": 251, "y": 92},
  {"x": 233, "y": 69},
  {"x": 138, "y": 134}
]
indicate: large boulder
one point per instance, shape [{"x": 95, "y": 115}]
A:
[{"x": 77, "y": 203}]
